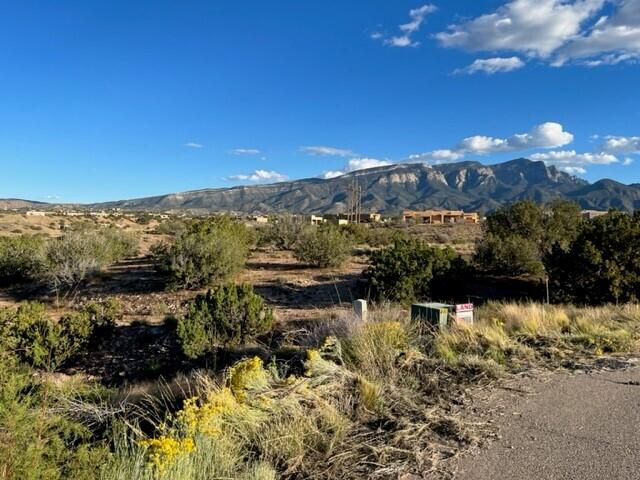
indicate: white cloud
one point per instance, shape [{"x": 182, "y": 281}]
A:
[
  {"x": 362, "y": 163},
  {"x": 356, "y": 164},
  {"x": 328, "y": 151},
  {"x": 534, "y": 27},
  {"x": 545, "y": 135},
  {"x": 332, "y": 174},
  {"x": 492, "y": 65},
  {"x": 627, "y": 161},
  {"x": 613, "y": 39},
  {"x": 622, "y": 144},
  {"x": 259, "y": 176},
  {"x": 572, "y": 157},
  {"x": 193, "y": 145},
  {"x": 573, "y": 170},
  {"x": 405, "y": 38},
  {"x": 437, "y": 156},
  {"x": 587, "y": 32},
  {"x": 573, "y": 162},
  {"x": 245, "y": 151}
]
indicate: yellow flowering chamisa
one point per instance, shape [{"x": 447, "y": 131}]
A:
[
  {"x": 164, "y": 450},
  {"x": 247, "y": 375},
  {"x": 207, "y": 418}
]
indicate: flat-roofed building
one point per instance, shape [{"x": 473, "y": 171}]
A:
[
  {"x": 429, "y": 217},
  {"x": 591, "y": 214}
]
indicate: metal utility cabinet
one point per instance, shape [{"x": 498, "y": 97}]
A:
[
  {"x": 435, "y": 314},
  {"x": 442, "y": 315}
]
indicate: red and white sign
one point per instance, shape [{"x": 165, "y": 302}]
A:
[
  {"x": 464, "y": 307},
  {"x": 464, "y": 313}
]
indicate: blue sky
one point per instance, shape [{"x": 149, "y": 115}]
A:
[{"x": 111, "y": 100}]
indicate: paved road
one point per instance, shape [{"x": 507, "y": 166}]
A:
[{"x": 583, "y": 426}]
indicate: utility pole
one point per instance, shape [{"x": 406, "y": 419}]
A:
[{"x": 354, "y": 202}]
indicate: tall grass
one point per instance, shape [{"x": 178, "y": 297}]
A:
[
  {"x": 363, "y": 399},
  {"x": 519, "y": 331}
]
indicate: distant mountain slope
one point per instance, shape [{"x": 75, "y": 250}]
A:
[
  {"x": 17, "y": 203},
  {"x": 605, "y": 194},
  {"x": 470, "y": 186}
]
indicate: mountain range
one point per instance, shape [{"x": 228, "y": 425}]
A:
[{"x": 469, "y": 186}]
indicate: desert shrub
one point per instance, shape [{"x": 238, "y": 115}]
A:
[
  {"x": 72, "y": 258},
  {"x": 37, "y": 440},
  {"x": 511, "y": 255},
  {"x": 358, "y": 232},
  {"x": 102, "y": 316},
  {"x": 21, "y": 257},
  {"x": 208, "y": 252},
  {"x": 404, "y": 271},
  {"x": 170, "y": 226},
  {"x": 283, "y": 232},
  {"x": 44, "y": 343},
  {"x": 517, "y": 237},
  {"x": 324, "y": 246},
  {"x": 227, "y": 315},
  {"x": 118, "y": 244},
  {"x": 601, "y": 264},
  {"x": 382, "y": 236},
  {"x": 374, "y": 236},
  {"x": 41, "y": 342}
]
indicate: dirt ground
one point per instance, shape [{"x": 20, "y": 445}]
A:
[
  {"x": 53, "y": 225},
  {"x": 298, "y": 293}
]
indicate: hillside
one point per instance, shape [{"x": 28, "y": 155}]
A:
[
  {"x": 16, "y": 203},
  {"x": 470, "y": 186}
]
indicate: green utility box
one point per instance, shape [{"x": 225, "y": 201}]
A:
[{"x": 438, "y": 315}]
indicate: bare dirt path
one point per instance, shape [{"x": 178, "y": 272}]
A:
[{"x": 570, "y": 426}]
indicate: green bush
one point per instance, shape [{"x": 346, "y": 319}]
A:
[
  {"x": 72, "y": 258},
  {"x": 601, "y": 265},
  {"x": 324, "y": 246},
  {"x": 117, "y": 244},
  {"x": 227, "y": 315},
  {"x": 37, "y": 440},
  {"x": 283, "y": 232},
  {"x": 404, "y": 272},
  {"x": 44, "y": 343},
  {"x": 517, "y": 237},
  {"x": 21, "y": 257},
  {"x": 170, "y": 226},
  {"x": 208, "y": 252},
  {"x": 511, "y": 255}
]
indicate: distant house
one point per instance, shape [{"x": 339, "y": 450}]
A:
[
  {"x": 260, "y": 219},
  {"x": 36, "y": 213},
  {"x": 591, "y": 214},
  {"x": 316, "y": 219},
  {"x": 370, "y": 217},
  {"x": 428, "y": 217}
]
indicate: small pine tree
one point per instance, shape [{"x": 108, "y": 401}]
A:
[
  {"x": 324, "y": 246},
  {"x": 227, "y": 315}
]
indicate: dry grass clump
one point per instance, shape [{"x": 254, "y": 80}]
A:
[
  {"x": 369, "y": 399},
  {"x": 510, "y": 333},
  {"x": 250, "y": 426},
  {"x": 350, "y": 413}
]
